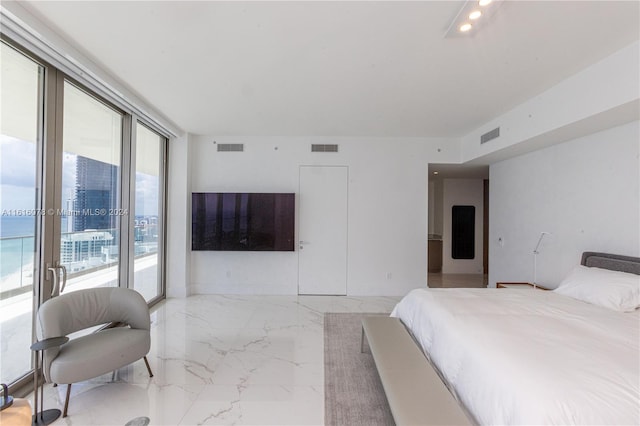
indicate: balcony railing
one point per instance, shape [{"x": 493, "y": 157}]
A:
[{"x": 81, "y": 252}]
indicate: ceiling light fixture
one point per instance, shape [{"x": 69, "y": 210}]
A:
[
  {"x": 475, "y": 14},
  {"x": 461, "y": 27}
]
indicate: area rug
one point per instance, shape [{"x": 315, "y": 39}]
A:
[{"x": 353, "y": 393}]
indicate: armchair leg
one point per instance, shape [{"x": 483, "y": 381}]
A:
[
  {"x": 148, "y": 367},
  {"x": 66, "y": 401}
]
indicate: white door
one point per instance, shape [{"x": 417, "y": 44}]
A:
[{"x": 322, "y": 248}]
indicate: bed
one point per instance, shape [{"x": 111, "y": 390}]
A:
[{"x": 535, "y": 357}]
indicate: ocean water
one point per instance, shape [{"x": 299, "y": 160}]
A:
[
  {"x": 17, "y": 226},
  {"x": 15, "y": 252}
]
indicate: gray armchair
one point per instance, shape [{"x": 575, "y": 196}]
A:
[{"x": 97, "y": 353}]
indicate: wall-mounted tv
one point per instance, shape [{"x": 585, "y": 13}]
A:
[{"x": 237, "y": 221}]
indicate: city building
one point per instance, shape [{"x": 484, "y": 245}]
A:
[{"x": 96, "y": 195}]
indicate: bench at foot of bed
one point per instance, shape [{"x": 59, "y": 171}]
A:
[{"x": 416, "y": 394}]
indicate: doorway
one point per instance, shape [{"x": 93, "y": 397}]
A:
[
  {"x": 451, "y": 188},
  {"x": 322, "y": 248}
]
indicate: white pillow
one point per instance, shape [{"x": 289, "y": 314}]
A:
[{"x": 615, "y": 290}]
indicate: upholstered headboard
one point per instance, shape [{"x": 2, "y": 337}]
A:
[{"x": 614, "y": 262}]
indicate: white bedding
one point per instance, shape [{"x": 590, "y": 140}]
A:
[{"x": 530, "y": 357}]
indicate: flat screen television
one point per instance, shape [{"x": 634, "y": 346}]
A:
[{"x": 236, "y": 221}]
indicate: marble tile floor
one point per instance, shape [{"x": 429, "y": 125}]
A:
[{"x": 221, "y": 360}]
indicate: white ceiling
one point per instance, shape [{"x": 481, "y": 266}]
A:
[{"x": 338, "y": 68}]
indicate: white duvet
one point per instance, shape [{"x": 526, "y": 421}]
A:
[{"x": 530, "y": 357}]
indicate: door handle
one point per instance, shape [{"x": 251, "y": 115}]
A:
[
  {"x": 64, "y": 277},
  {"x": 54, "y": 289},
  {"x": 58, "y": 285}
]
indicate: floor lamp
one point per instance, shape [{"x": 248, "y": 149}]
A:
[{"x": 535, "y": 258}]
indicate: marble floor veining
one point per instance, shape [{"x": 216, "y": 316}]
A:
[
  {"x": 221, "y": 360},
  {"x": 226, "y": 360}
]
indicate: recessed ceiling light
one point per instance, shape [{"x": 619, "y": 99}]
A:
[
  {"x": 472, "y": 17},
  {"x": 475, "y": 14},
  {"x": 435, "y": 173}
]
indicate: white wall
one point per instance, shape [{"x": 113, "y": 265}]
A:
[
  {"x": 431, "y": 205},
  {"x": 435, "y": 207},
  {"x": 585, "y": 192},
  {"x": 382, "y": 169},
  {"x": 387, "y": 219},
  {"x": 603, "y": 95},
  {"x": 178, "y": 259},
  {"x": 462, "y": 192}
]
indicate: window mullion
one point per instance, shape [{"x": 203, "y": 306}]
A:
[{"x": 126, "y": 201}]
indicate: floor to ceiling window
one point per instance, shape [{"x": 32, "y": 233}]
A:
[
  {"x": 82, "y": 185},
  {"x": 90, "y": 193},
  {"x": 147, "y": 209},
  {"x": 20, "y": 136}
]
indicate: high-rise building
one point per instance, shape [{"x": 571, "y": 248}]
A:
[
  {"x": 96, "y": 194},
  {"x": 83, "y": 246}
]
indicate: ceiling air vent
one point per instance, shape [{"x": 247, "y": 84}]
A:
[
  {"x": 230, "y": 147},
  {"x": 492, "y": 134},
  {"x": 316, "y": 147}
]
